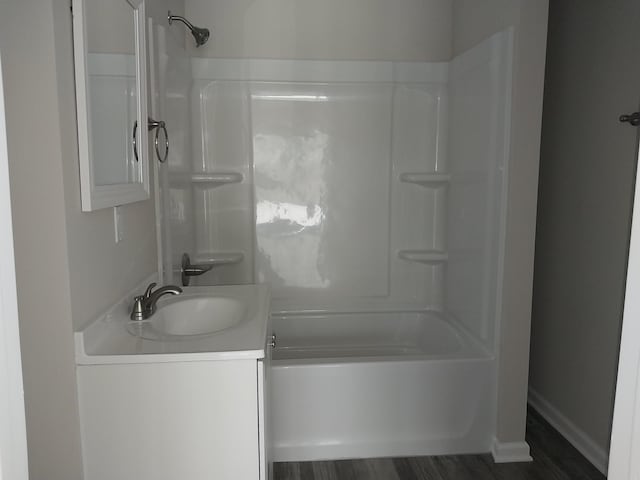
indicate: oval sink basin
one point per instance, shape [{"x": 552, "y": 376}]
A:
[
  {"x": 188, "y": 316},
  {"x": 197, "y": 315}
]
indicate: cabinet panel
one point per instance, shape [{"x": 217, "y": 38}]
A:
[
  {"x": 169, "y": 421},
  {"x": 264, "y": 404}
]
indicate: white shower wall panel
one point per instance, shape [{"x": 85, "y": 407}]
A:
[
  {"x": 417, "y": 217},
  {"x": 420, "y": 127},
  {"x": 175, "y": 81},
  {"x": 171, "y": 76},
  {"x": 479, "y": 113},
  {"x": 228, "y": 228},
  {"x": 224, "y": 212},
  {"x": 324, "y": 146},
  {"x": 321, "y": 161},
  {"x": 420, "y": 231},
  {"x": 222, "y": 126},
  {"x": 179, "y": 212}
]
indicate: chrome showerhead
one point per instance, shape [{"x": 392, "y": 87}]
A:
[{"x": 201, "y": 35}]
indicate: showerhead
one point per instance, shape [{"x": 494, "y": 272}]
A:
[{"x": 201, "y": 35}]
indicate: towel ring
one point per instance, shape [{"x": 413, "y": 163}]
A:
[
  {"x": 158, "y": 125},
  {"x": 162, "y": 158}
]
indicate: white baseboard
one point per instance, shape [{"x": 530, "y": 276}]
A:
[
  {"x": 597, "y": 455},
  {"x": 379, "y": 449},
  {"x": 510, "y": 452}
]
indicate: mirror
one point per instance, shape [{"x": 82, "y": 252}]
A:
[{"x": 110, "y": 68}]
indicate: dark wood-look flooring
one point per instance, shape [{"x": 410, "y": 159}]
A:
[{"x": 553, "y": 459}]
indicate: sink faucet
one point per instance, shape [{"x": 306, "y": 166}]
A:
[{"x": 145, "y": 305}]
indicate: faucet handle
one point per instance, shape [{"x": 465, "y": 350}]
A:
[
  {"x": 149, "y": 290},
  {"x": 137, "y": 312}
]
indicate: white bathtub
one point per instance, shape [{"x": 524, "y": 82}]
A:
[{"x": 378, "y": 385}]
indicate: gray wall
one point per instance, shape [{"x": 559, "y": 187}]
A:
[
  {"x": 586, "y": 187},
  {"x": 409, "y": 30},
  {"x": 40, "y": 236},
  {"x": 474, "y": 21},
  {"x": 68, "y": 266}
]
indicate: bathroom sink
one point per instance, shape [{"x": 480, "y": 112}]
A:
[
  {"x": 220, "y": 322},
  {"x": 188, "y": 316},
  {"x": 198, "y": 315}
]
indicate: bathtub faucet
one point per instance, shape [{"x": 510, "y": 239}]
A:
[{"x": 145, "y": 305}]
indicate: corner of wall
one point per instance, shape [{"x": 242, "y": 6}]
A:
[
  {"x": 42, "y": 270},
  {"x": 530, "y": 22}
]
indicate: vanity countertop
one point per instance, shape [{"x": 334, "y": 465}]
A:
[{"x": 107, "y": 340}]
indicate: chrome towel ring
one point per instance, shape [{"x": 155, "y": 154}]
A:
[{"x": 158, "y": 125}]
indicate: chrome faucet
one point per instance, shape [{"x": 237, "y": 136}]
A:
[{"x": 145, "y": 305}]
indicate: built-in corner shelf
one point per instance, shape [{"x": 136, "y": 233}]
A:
[
  {"x": 205, "y": 180},
  {"x": 216, "y": 179},
  {"x": 218, "y": 258},
  {"x": 430, "y": 257},
  {"x": 430, "y": 180}
]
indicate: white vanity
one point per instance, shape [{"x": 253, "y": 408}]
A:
[{"x": 178, "y": 405}]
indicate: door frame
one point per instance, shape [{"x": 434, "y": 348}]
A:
[
  {"x": 625, "y": 436},
  {"x": 13, "y": 438}
]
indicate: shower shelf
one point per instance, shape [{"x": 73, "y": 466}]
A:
[
  {"x": 209, "y": 179},
  {"x": 431, "y": 180},
  {"x": 218, "y": 258},
  {"x": 431, "y": 257},
  {"x": 215, "y": 179}
]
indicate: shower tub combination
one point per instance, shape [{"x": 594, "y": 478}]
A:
[
  {"x": 415, "y": 373},
  {"x": 378, "y": 384},
  {"x": 370, "y": 197}
]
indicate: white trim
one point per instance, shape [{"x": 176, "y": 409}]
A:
[
  {"x": 13, "y": 437},
  {"x": 154, "y": 94},
  {"x": 570, "y": 431},
  {"x": 418, "y": 447},
  {"x": 510, "y": 452},
  {"x": 624, "y": 461}
]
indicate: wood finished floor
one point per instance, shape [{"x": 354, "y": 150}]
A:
[{"x": 553, "y": 459}]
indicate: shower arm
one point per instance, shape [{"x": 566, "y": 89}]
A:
[
  {"x": 201, "y": 35},
  {"x": 171, "y": 18}
]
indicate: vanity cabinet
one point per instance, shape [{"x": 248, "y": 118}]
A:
[
  {"x": 174, "y": 421},
  {"x": 177, "y": 408}
]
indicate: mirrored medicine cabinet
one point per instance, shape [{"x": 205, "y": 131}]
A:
[{"x": 111, "y": 93}]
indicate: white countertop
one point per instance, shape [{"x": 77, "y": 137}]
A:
[{"x": 107, "y": 340}]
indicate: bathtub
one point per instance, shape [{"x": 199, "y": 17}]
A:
[{"x": 378, "y": 385}]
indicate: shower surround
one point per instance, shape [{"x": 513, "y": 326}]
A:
[{"x": 371, "y": 197}]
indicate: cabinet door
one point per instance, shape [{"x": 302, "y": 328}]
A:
[{"x": 169, "y": 421}]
